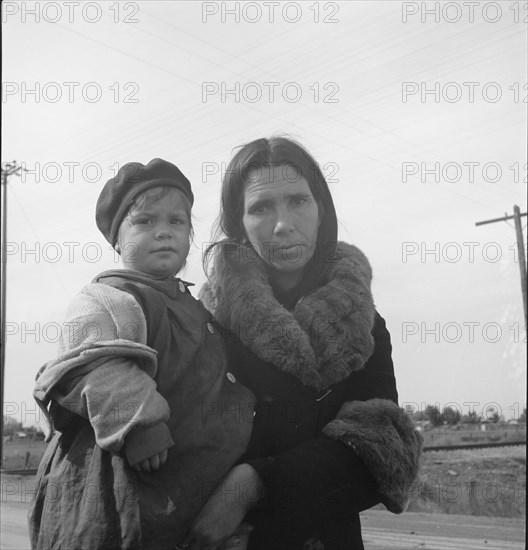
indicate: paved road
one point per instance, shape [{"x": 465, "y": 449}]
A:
[
  {"x": 14, "y": 533},
  {"x": 385, "y": 531},
  {"x": 381, "y": 531}
]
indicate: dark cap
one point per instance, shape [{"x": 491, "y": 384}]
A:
[{"x": 132, "y": 179}]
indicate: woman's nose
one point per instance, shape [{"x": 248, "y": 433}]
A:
[{"x": 284, "y": 222}]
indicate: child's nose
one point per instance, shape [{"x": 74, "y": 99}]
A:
[{"x": 163, "y": 232}]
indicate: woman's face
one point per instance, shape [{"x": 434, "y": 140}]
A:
[{"x": 281, "y": 218}]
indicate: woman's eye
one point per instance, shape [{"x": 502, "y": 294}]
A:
[
  {"x": 299, "y": 202},
  {"x": 258, "y": 210}
]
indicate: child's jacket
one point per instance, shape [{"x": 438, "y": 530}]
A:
[{"x": 143, "y": 360}]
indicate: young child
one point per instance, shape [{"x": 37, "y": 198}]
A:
[{"x": 148, "y": 417}]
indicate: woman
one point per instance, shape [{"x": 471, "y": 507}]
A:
[{"x": 328, "y": 437}]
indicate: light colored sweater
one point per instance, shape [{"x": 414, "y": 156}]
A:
[{"x": 105, "y": 373}]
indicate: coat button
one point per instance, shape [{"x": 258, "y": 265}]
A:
[
  {"x": 182, "y": 287},
  {"x": 210, "y": 328},
  {"x": 230, "y": 377}
]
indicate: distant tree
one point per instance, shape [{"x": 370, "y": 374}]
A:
[
  {"x": 11, "y": 426},
  {"x": 432, "y": 413},
  {"x": 522, "y": 417},
  {"x": 494, "y": 417},
  {"x": 418, "y": 415},
  {"x": 451, "y": 416},
  {"x": 471, "y": 418}
]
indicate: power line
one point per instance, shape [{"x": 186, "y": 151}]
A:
[
  {"x": 520, "y": 247},
  {"x": 337, "y": 118}
]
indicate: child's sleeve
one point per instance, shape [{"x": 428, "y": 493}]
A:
[
  {"x": 105, "y": 373},
  {"x": 123, "y": 406}
]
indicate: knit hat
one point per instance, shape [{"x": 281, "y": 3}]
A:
[{"x": 132, "y": 179}]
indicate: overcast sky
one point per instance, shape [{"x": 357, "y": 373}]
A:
[{"x": 417, "y": 118}]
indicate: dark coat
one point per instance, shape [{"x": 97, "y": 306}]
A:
[{"x": 328, "y": 439}]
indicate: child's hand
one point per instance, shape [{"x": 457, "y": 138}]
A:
[{"x": 152, "y": 463}]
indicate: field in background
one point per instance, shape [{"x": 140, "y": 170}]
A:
[
  {"x": 478, "y": 482},
  {"x": 476, "y": 434},
  {"x": 21, "y": 454}
]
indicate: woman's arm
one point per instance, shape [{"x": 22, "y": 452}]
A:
[
  {"x": 371, "y": 443},
  {"x": 237, "y": 494},
  {"x": 319, "y": 474},
  {"x": 326, "y": 463},
  {"x": 376, "y": 379}
]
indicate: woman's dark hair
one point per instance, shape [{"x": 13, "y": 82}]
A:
[{"x": 267, "y": 153}]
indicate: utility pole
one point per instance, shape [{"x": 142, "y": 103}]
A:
[
  {"x": 520, "y": 247},
  {"x": 8, "y": 169}
]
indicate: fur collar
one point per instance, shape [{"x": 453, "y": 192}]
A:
[{"x": 326, "y": 336}]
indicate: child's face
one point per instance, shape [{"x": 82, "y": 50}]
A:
[{"x": 154, "y": 238}]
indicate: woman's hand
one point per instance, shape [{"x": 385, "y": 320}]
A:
[{"x": 238, "y": 492}]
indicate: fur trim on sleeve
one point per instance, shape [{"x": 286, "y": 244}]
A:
[{"x": 383, "y": 436}]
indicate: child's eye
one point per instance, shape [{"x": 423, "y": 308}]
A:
[
  {"x": 142, "y": 221},
  {"x": 179, "y": 221}
]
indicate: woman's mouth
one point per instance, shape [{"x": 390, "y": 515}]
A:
[
  {"x": 288, "y": 251},
  {"x": 287, "y": 247}
]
